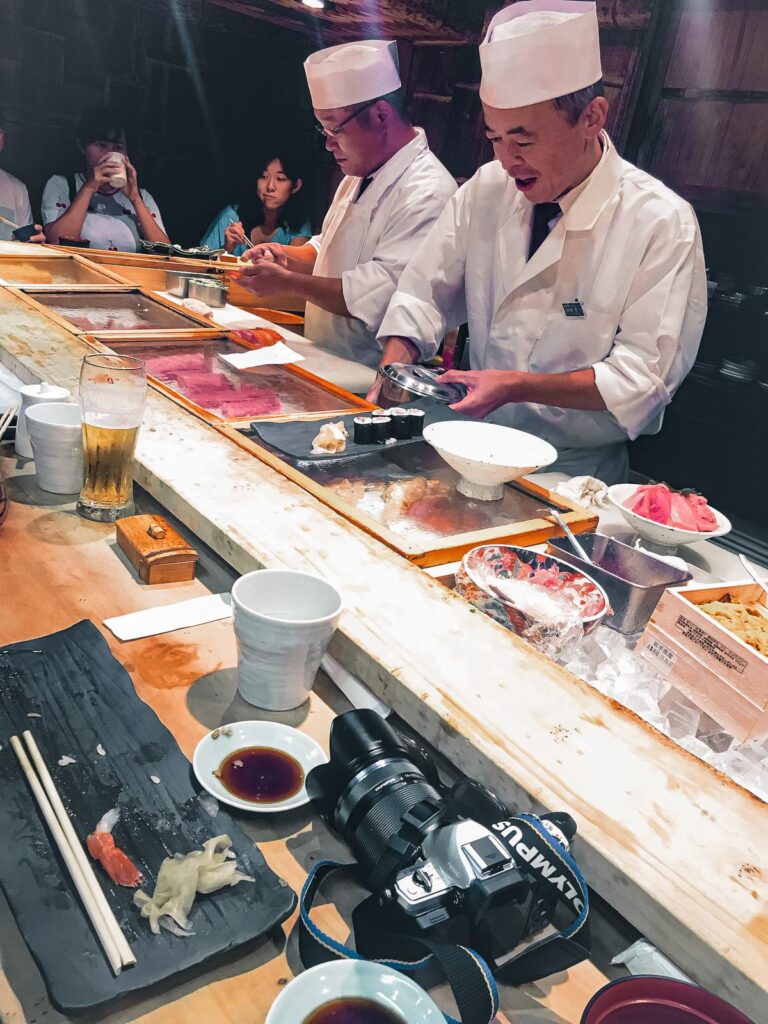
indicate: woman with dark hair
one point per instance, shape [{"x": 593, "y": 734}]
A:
[
  {"x": 102, "y": 204},
  {"x": 274, "y": 211}
]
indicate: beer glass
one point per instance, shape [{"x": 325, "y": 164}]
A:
[{"x": 113, "y": 390}]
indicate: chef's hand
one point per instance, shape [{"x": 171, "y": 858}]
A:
[
  {"x": 131, "y": 187},
  {"x": 487, "y": 390},
  {"x": 234, "y": 234},
  {"x": 267, "y": 252},
  {"x": 265, "y": 278},
  {"x": 39, "y": 237}
]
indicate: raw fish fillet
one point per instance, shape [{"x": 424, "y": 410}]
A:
[
  {"x": 170, "y": 365},
  {"x": 681, "y": 514},
  {"x": 255, "y": 405},
  {"x": 705, "y": 517},
  {"x": 214, "y": 383}
]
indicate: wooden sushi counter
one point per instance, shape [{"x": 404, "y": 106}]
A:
[{"x": 674, "y": 847}]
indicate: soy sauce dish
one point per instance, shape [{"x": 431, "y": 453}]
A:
[
  {"x": 257, "y": 766},
  {"x": 355, "y": 992}
]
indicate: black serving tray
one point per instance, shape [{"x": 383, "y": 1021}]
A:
[
  {"x": 294, "y": 438},
  {"x": 84, "y": 698}
]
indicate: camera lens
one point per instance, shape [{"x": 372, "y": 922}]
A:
[{"x": 373, "y": 779}]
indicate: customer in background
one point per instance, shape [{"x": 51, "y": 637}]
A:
[
  {"x": 14, "y": 199},
  {"x": 89, "y": 205},
  {"x": 274, "y": 208}
]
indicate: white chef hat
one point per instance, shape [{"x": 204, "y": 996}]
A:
[
  {"x": 340, "y": 76},
  {"x": 538, "y": 50}
]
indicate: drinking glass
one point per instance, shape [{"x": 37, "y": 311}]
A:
[{"x": 113, "y": 391}]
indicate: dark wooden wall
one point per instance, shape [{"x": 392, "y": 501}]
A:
[
  {"x": 702, "y": 127},
  {"x": 443, "y": 84}
]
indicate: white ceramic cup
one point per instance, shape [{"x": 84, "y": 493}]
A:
[
  {"x": 55, "y": 430},
  {"x": 34, "y": 394},
  {"x": 284, "y": 621},
  {"x": 119, "y": 178},
  {"x": 354, "y": 979}
]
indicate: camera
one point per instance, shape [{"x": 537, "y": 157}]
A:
[{"x": 435, "y": 858}]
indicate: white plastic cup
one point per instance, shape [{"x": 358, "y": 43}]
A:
[
  {"x": 284, "y": 621},
  {"x": 119, "y": 179},
  {"x": 34, "y": 394},
  {"x": 55, "y": 430}
]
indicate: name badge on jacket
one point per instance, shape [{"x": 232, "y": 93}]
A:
[{"x": 574, "y": 309}]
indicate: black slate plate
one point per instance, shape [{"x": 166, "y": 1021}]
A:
[
  {"x": 294, "y": 439},
  {"x": 84, "y": 698}
]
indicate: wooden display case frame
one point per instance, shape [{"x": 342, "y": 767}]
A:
[
  {"x": 200, "y": 329},
  {"x": 112, "y": 280},
  {"x": 449, "y": 549},
  {"x": 111, "y": 341},
  {"x": 149, "y": 270}
]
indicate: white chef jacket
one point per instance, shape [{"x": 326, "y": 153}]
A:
[
  {"x": 368, "y": 242},
  {"x": 14, "y": 204},
  {"x": 627, "y": 248}
]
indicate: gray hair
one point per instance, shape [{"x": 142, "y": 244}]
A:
[{"x": 574, "y": 104}]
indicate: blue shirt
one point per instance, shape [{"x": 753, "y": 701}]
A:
[{"x": 214, "y": 236}]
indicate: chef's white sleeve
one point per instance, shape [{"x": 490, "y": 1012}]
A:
[
  {"x": 315, "y": 241},
  {"x": 660, "y": 327},
  {"x": 430, "y": 299},
  {"x": 368, "y": 288}
]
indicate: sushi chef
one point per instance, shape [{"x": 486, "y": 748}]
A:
[
  {"x": 581, "y": 277},
  {"x": 393, "y": 191}
]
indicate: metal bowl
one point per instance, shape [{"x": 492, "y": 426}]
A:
[
  {"x": 633, "y": 580},
  {"x": 402, "y": 382}
]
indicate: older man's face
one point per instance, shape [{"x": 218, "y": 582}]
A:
[
  {"x": 357, "y": 147},
  {"x": 539, "y": 148}
]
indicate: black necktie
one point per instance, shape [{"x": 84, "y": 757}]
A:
[
  {"x": 364, "y": 185},
  {"x": 543, "y": 213}
]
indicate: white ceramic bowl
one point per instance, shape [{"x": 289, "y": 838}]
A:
[
  {"x": 345, "y": 979},
  {"x": 487, "y": 455},
  {"x": 656, "y": 533},
  {"x": 210, "y": 752}
]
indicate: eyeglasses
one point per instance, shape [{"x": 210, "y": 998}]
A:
[{"x": 328, "y": 133}]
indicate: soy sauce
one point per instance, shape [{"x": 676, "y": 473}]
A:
[
  {"x": 352, "y": 1011},
  {"x": 261, "y": 775}
]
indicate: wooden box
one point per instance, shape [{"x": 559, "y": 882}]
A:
[
  {"x": 712, "y": 666},
  {"x": 158, "y": 553}
]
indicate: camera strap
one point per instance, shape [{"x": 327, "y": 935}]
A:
[
  {"x": 531, "y": 842},
  {"x": 465, "y": 970},
  {"x": 379, "y": 938}
]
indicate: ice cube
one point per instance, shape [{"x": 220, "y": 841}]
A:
[
  {"x": 683, "y": 719},
  {"x": 717, "y": 741}
]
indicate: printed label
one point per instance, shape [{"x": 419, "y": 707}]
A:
[
  {"x": 663, "y": 659},
  {"x": 712, "y": 647}
]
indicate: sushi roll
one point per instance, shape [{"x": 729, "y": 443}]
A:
[
  {"x": 363, "y": 430},
  {"x": 400, "y": 423},
  {"x": 415, "y": 422},
  {"x": 382, "y": 428}
]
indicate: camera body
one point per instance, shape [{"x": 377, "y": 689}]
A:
[{"x": 439, "y": 861}]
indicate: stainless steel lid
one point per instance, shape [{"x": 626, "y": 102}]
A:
[{"x": 422, "y": 381}]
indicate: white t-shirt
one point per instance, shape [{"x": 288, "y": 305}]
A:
[
  {"x": 14, "y": 204},
  {"x": 111, "y": 221}
]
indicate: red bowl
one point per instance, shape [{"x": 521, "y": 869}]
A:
[{"x": 650, "y": 999}]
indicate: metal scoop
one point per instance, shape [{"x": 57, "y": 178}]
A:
[{"x": 577, "y": 547}]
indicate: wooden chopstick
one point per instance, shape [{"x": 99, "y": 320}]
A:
[
  {"x": 106, "y": 934},
  {"x": 5, "y": 419},
  {"x": 9, "y": 223}
]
